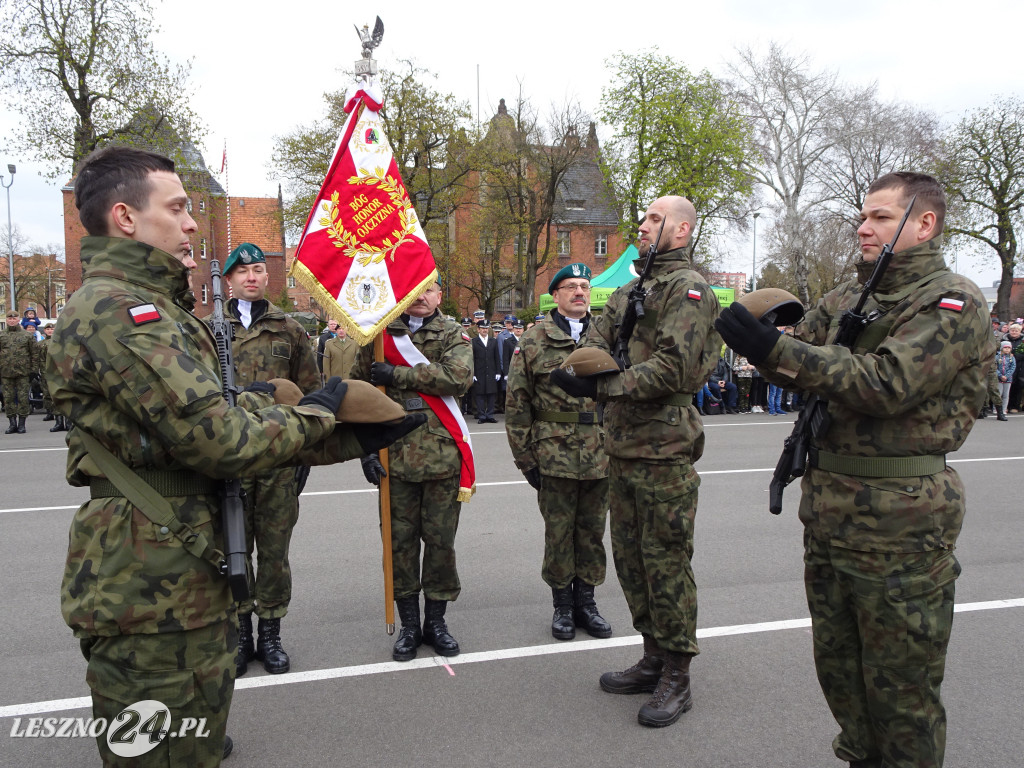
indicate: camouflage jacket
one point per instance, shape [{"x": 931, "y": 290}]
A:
[
  {"x": 129, "y": 364},
  {"x": 274, "y": 346},
  {"x": 19, "y": 352},
  {"x": 673, "y": 351},
  {"x": 917, "y": 393},
  {"x": 560, "y": 449},
  {"x": 428, "y": 453}
]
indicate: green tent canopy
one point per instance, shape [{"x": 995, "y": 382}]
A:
[{"x": 620, "y": 273}]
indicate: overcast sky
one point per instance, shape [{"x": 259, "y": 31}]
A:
[{"x": 260, "y": 69}]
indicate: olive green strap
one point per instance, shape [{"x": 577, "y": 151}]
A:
[
  {"x": 164, "y": 482},
  {"x": 149, "y": 501},
  {"x": 568, "y": 417},
  {"x": 682, "y": 399},
  {"x": 880, "y": 466}
]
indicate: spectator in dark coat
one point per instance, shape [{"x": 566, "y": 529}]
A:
[{"x": 486, "y": 373}]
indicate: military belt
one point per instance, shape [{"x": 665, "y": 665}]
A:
[
  {"x": 878, "y": 466},
  {"x": 164, "y": 482},
  {"x": 682, "y": 399},
  {"x": 569, "y": 417},
  {"x": 415, "y": 404}
]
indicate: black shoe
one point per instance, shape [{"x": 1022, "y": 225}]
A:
[
  {"x": 58, "y": 424},
  {"x": 410, "y": 637},
  {"x": 490, "y": 421},
  {"x": 585, "y": 613},
  {"x": 21, "y": 425},
  {"x": 246, "y": 645},
  {"x": 48, "y": 416},
  {"x": 642, "y": 677},
  {"x": 672, "y": 696},
  {"x": 435, "y": 630},
  {"x": 268, "y": 647},
  {"x": 228, "y": 746},
  {"x": 13, "y": 429},
  {"x": 562, "y": 625}
]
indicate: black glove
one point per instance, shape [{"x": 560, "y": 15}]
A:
[
  {"x": 575, "y": 385},
  {"x": 261, "y": 386},
  {"x": 745, "y": 334},
  {"x": 373, "y": 470},
  {"x": 532, "y": 476},
  {"x": 382, "y": 374},
  {"x": 329, "y": 397},
  {"x": 373, "y": 437}
]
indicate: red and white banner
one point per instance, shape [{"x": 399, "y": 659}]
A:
[
  {"x": 399, "y": 350},
  {"x": 363, "y": 255}
]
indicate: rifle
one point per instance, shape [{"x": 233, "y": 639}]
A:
[
  {"x": 635, "y": 304},
  {"x": 235, "y": 563},
  {"x": 814, "y": 420}
]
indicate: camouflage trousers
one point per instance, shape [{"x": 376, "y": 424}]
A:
[
  {"x": 575, "y": 513},
  {"x": 881, "y": 624},
  {"x": 271, "y": 512},
  {"x": 653, "y": 507},
  {"x": 427, "y": 511},
  {"x": 16, "y": 392},
  {"x": 191, "y": 673}
]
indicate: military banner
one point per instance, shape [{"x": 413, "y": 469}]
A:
[{"x": 363, "y": 255}]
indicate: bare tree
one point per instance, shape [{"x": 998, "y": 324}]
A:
[{"x": 982, "y": 166}]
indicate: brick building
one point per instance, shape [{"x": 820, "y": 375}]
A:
[
  {"x": 254, "y": 220},
  {"x": 735, "y": 280},
  {"x": 39, "y": 282}
]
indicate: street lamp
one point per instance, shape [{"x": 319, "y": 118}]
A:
[
  {"x": 10, "y": 233},
  {"x": 753, "y": 275}
]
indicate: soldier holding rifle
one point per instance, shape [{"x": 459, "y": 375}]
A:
[
  {"x": 880, "y": 507},
  {"x": 139, "y": 377},
  {"x": 654, "y": 435}
]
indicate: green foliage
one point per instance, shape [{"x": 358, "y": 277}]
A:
[
  {"x": 83, "y": 74},
  {"x": 674, "y": 132},
  {"x": 283, "y": 301}
]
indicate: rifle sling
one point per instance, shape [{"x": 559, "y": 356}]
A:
[
  {"x": 875, "y": 332},
  {"x": 878, "y": 466},
  {"x": 149, "y": 501}
]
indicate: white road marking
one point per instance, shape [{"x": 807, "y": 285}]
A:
[{"x": 503, "y": 654}]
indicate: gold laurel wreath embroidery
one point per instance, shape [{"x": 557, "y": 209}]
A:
[
  {"x": 353, "y": 300},
  {"x": 347, "y": 240}
]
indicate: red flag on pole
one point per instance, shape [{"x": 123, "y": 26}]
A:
[{"x": 363, "y": 255}]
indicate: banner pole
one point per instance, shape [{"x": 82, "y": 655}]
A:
[{"x": 385, "y": 512}]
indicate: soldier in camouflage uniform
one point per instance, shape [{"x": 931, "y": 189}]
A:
[
  {"x": 654, "y": 435},
  {"x": 60, "y": 422},
  {"x": 424, "y": 471},
  {"x": 558, "y": 444},
  {"x": 880, "y": 507},
  {"x": 266, "y": 344},
  {"x": 134, "y": 369},
  {"x": 19, "y": 358}
]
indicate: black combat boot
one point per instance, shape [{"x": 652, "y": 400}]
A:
[
  {"x": 13, "y": 429},
  {"x": 672, "y": 696},
  {"x": 410, "y": 636},
  {"x": 65, "y": 423},
  {"x": 48, "y": 416},
  {"x": 984, "y": 412},
  {"x": 642, "y": 677},
  {"x": 562, "y": 625},
  {"x": 229, "y": 745},
  {"x": 268, "y": 647},
  {"x": 584, "y": 612},
  {"x": 246, "y": 645},
  {"x": 58, "y": 423},
  {"x": 21, "y": 425},
  {"x": 435, "y": 630},
  {"x": 1001, "y": 416}
]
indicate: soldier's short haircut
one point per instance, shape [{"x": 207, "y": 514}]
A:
[
  {"x": 114, "y": 175},
  {"x": 930, "y": 195}
]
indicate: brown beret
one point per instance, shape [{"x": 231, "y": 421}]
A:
[
  {"x": 590, "y": 361},
  {"x": 775, "y": 305},
  {"x": 363, "y": 403}
]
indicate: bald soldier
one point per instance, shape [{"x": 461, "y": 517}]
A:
[
  {"x": 654, "y": 435},
  {"x": 881, "y": 508}
]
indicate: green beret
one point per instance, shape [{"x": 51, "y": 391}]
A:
[
  {"x": 569, "y": 270},
  {"x": 246, "y": 253}
]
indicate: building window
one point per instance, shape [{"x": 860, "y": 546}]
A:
[
  {"x": 563, "y": 242},
  {"x": 601, "y": 246},
  {"x": 205, "y": 293},
  {"x": 575, "y": 205},
  {"x": 202, "y": 248},
  {"x": 291, "y": 282},
  {"x": 202, "y": 205}
]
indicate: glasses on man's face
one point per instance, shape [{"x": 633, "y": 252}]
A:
[{"x": 573, "y": 287}]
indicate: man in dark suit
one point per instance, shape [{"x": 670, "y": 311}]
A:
[
  {"x": 509, "y": 347},
  {"x": 486, "y": 373}
]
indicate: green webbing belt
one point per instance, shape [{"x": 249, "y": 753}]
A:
[
  {"x": 682, "y": 399},
  {"x": 568, "y": 417},
  {"x": 149, "y": 500},
  {"x": 880, "y": 466},
  {"x": 166, "y": 483}
]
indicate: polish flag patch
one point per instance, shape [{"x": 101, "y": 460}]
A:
[
  {"x": 693, "y": 294},
  {"x": 515, "y": 351},
  {"x": 144, "y": 313},
  {"x": 955, "y": 304},
  {"x": 466, "y": 337}
]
